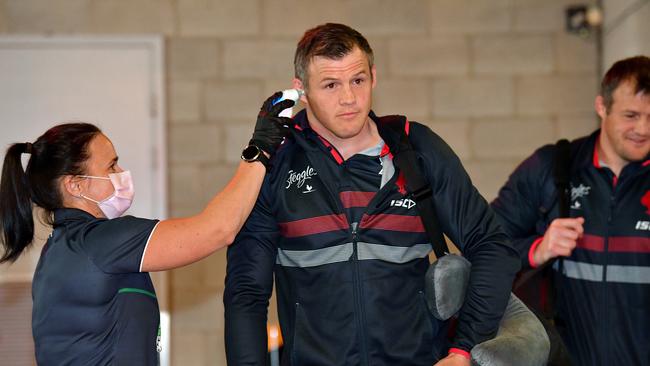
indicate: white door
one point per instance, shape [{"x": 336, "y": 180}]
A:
[{"x": 115, "y": 83}]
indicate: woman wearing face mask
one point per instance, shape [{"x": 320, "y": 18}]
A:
[{"x": 94, "y": 302}]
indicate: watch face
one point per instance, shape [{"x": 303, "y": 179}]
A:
[{"x": 250, "y": 153}]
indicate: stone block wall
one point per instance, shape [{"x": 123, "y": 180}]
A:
[{"x": 495, "y": 78}]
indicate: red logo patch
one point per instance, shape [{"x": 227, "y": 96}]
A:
[{"x": 645, "y": 200}]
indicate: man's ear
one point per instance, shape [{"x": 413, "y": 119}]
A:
[
  {"x": 373, "y": 72},
  {"x": 599, "y": 105},
  {"x": 297, "y": 84}
]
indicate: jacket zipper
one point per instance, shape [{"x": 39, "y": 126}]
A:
[
  {"x": 294, "y": 356},
  {"x": 379, "y": 196},
  {"x": 361, "y": 319},
  {"x": 604, "y": 313},
  {"x": 358, "y": 288},
  {"x": 381, "y": 193}
]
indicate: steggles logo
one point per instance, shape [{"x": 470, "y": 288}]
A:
[
  {"x": 579, "y": 191},
  {"x": 300, "y": 178},
  {"x": 309, "y": 189}
]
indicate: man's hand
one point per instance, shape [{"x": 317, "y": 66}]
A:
[
  {"x": 559, "y": 239},
  {"x": 269, "y": 128},
  {"x": 454, "y": 359}
]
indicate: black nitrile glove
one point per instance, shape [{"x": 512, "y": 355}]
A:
[{"x": 270, "y": 129}]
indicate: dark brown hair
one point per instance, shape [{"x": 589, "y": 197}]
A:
[
  {"x": 62, "y": 150},
  {"x": 634, "y": 69},
  {"x": 330, "y": 40}
]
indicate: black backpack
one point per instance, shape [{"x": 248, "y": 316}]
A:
[
  {"x": 536, "y": 287},
  {"x": 521, "y": 337}
]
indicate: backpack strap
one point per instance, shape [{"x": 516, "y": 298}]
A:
[
  {"x": 561, "y": 179},
  {"x": 394, "y": 132},
  {"x": 562, "y": 175}
]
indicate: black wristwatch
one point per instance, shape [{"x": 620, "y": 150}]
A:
[{"x": 253, "y": 153}]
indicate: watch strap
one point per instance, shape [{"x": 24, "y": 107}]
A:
[{"x": 263, "y": 159}]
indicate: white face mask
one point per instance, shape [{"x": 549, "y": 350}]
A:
[{"x": 117, "y": 203}]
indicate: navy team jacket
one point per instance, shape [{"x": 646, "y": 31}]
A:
[
  {"x": 351, "y": 293},
  {"x": 605, "y": 283}
]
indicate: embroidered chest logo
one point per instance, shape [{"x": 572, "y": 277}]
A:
[
  {"x": 299, "y": 179},
  {"x": 308, "y": 189},
  {"x": 645, "y": 200},
  {"x": 578, "y": 192},
  {"x": 406, "y": 203}
]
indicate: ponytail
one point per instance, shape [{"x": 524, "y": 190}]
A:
[{"x": 16, "y": 207}]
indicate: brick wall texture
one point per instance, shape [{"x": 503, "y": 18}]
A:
[{"x": 495, "y": 78}]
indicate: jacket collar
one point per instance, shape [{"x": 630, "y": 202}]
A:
[
  {"x": 587, "y": 154},
  {"x": 309, "y": 139},
  {"x": 63, "y": 215},
  {"x": 584, "y": 153}
]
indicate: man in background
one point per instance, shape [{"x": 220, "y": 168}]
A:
[{"x": 602, "y": 250}]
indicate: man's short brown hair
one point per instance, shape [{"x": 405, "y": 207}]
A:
[
  {"x": 634, "y": 69},
  {"x": 330, "y": 40}
]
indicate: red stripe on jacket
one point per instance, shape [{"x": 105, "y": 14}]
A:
[
  {"x": 356, "y": 199},
  {"x": 314, "y": 225},
  {"x": 393, "y": 222},
  {"x": 631, "y": 244},
  {"x": 621, "y": 244},
  {"x": 591, "y": 242}
]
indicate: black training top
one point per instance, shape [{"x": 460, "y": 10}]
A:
[{"x": 92, "y": 306}]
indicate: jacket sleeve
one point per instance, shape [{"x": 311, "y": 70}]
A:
[
  {"x": 469, "y": 222},
  {"x": 249, "y": 283},
  {"x": 521, "y": 206}
]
